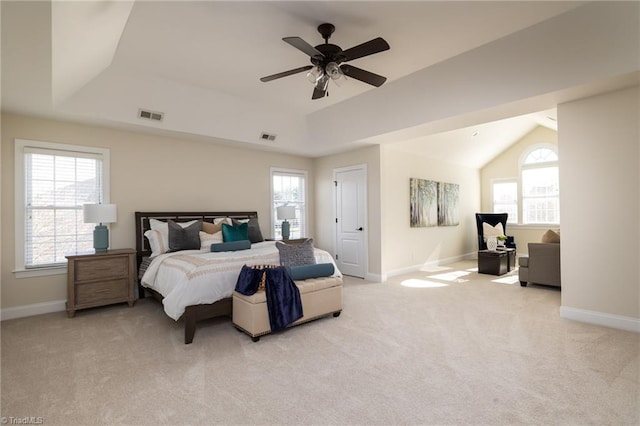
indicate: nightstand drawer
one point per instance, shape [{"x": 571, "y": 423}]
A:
[
  {"x": 98, "y": 269},
  {"x": 102, "y": 291}
]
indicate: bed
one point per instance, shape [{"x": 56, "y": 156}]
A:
[{"x": 198, "y": 284}]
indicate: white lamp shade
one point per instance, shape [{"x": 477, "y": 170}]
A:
[
  {"x": 100, "y": 213},
  {"x": 286, "y": 212}
]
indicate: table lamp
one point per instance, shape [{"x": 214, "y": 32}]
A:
[
  {"x": 284, "y": 213},
  {"x": 100, "y": 213}
]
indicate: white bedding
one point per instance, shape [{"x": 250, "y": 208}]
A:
[{"x": 193, "y": 277}]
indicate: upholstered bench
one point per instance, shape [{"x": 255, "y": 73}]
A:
[{"x": 320, "y": 297}]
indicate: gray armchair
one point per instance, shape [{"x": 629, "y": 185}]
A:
[{"x": 542, "y": 266}]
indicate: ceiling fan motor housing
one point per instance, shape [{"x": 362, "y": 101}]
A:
[{"x": 331, "y": 53}]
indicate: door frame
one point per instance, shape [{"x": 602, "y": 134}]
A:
[{"x": 363, "y": 168}]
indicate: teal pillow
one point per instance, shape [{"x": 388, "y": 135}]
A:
[
  {"x": 231, "y": 246},
  {"x": 235, "y": 233},
  {"x": 304, "y": 272}
]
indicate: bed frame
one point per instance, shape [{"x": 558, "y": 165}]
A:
[{"x": 193, "y": 313}]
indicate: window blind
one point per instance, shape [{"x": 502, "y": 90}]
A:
[
  {"x": 289, "y": 189},
  {"x": 57, "y": 184}
]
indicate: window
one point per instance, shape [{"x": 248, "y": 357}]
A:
[
  {"x": 540, "y": 187},
  {"x": 505, "y": 199},
  {"x": 53, "y": 181},
  {"x": 289, "y": 188}
]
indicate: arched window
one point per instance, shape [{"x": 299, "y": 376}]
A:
[{"x": 540, "y": 186}]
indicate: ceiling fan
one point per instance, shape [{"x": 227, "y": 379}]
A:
[{"x": 328, "y": 61}]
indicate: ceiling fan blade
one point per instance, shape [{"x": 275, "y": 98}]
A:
[
  {"x": 318, "y": 93},
  {"x": 365, "y": 49},
  {"x": 363, "y": 75},
  {"x": 286, "y": 73},
  {"x": 320, "y": 88},
  {"x": 303, "y": 46}
]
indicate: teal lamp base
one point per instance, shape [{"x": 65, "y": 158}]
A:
[
  {"x": 285, "y": 230},
  {"x": 100, "y": 238}
]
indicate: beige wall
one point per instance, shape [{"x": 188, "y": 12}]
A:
[
  {"x": 405, "y": 248},
  {"x": 148, "y": 173},
  {"x": 325, "y": 214},
  {"x": 507, "y": 166},
  {"x": 599, "y": 156}
]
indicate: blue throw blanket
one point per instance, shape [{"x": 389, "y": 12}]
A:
[{"x": 283, "y": 297}]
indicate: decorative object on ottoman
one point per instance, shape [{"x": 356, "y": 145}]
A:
[{"x": 492, "y": 243}]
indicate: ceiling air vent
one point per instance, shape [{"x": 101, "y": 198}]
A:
[
  {"x": 267, "y": 137},
  {"x": 150, "y": 115}
]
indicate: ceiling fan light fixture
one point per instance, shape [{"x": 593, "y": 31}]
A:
[
  {"x": 315, "y": 74},
  {"x": 333, "y": 70},
  {"x": 323, "y": 83}
]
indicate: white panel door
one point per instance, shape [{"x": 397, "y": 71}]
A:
[{"x": 350, "y": 221}]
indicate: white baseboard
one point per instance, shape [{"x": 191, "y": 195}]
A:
[
  {"x": 431, "y": 264},
  {"x": 600, "y": 318},
  {"x": 31, "y": 310},
  {"x": 376, "y": 278}
]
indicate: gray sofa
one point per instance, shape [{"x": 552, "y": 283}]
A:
[{"x": 542, "y": 266}]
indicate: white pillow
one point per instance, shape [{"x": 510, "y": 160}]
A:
[
  {"x": 207, "y": 239},
  {"x": 491, "y": 231},
  {"x": 226, "y": 220},
  {"x": 155, "y": 242},
  {"x": 162, "y": 228}
]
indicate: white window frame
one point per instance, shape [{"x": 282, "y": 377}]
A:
[
  {"x": 507, "y": 180},
  {"x": 20, "y": 270},
  {"x": 522, "y": 167},
  {"x": 274, "y": 219}
]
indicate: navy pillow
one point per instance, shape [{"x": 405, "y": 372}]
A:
[
  {"x": 235, "y": 233},
  {"x": 318, "y": 270},
  {"x": 231, "y": 246}
]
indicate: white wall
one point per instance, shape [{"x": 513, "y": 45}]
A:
[
  {"x": 405, "y": 248},
  {"x": 148, "y": 173},
  {"x": 599, "y": 141}
]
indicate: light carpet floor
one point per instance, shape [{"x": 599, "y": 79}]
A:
[{"x": 442, "y": 347}]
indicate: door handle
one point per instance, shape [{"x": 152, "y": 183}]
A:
[{"x": 359, "y": 229}]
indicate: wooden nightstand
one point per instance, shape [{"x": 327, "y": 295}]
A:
[{"x": 102, "y": 278}]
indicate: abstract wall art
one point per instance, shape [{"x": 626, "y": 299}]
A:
[
  {"x": 423, "y": 202},
  {"x": 448, "y": 200}
]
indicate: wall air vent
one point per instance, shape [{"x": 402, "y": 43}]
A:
[
  {"x": 267, "y": 137},
  {"x": 150, "y": 115}
]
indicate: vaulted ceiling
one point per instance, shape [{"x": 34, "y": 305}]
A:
[{"x": 200, "y": 62}]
